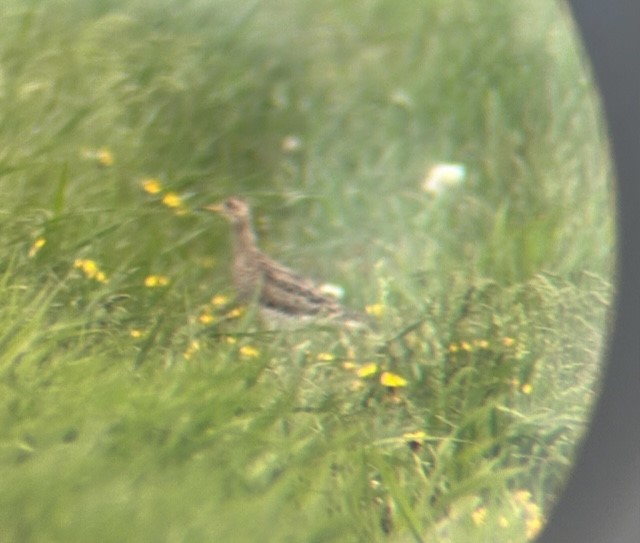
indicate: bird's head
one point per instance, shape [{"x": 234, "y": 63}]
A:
[{"x": 235, "y": 210}]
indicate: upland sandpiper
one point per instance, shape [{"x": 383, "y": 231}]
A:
[{"x": 282, "y": 295}]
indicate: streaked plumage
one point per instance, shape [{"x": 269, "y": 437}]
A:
[{"x": 282, "y": 294}]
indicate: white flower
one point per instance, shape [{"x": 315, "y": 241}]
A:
[
  {"x": 442, "y": 176},
  {"x": 291, "y": 144},
  {"x": 335, "y": 291},
  {"x": 401, "y": 98}
]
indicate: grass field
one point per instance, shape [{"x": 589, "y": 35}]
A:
[{"x": 138, "y": 402}]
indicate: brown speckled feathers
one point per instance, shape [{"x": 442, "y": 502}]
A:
[{"x": 281, "y": 293}]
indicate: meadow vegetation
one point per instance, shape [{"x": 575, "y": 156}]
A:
[{"x": 138, "y": 402}]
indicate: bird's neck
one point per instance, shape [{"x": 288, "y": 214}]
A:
[{"x": 245, "y": 239}]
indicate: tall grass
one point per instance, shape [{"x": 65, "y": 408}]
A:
[{"x": 139, "y": 403}]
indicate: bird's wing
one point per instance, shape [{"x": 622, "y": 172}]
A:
[{"x": 286, "y": 291}]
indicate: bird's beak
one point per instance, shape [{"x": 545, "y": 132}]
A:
[{"x": 216, "y": 208}]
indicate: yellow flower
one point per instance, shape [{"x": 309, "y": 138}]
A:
[
  {"x": 532, "y": 509},
  {"x": 479, "y": 516},
  {"x": 414, "y": 436},
  {"x": 453, "y": 348},
  {"x": 152, "y": 186},
  {"x": 375, "y": 310},
  {"x": 508, "y": 341},
  {"x": 135, "y": 333},
  {"x": 526, "y": 388},
  {"x": 234, "y": 313},
  {"x": 173, "y": 200},
  {"x": 249, "y": 352},
  {"x": 522, "y": 496},
  {"x": 37, "y": 245},
  {"x": 532, "y": 514},
  {"x": 533, "y": 527},
  {"x": 466, "y": 346},
  {"x": 206, "y": 318},
  {"x": 219, "y": 300},
  {"x": 152, "y": 281},
  {"x": 325, "y": 357},
  {"x": 367, "y": 370},
  {"x": 90, "y": 269},
  {"x": 392, "y": 380},
  {"x": 104, "y": 157},
  {"x": 192, "y": 348},
  {"x": 481, "y": 343}
]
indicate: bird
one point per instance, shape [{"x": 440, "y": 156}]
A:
[{"x": 284, "y": 297}]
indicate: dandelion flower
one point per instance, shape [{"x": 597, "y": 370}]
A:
[
  {"x": 415, "y": 436},
  {"x": 479, "y": 516},
  {"x": 206, "y": 318},
  {"x": 466, "y": 346},
  {"x": 135, "y": 333},
  {"x": 375, "y": 310},
  {"x": 249, "y": 352},
  {"x": 392, "y": 380},
  {"x": 172, "y": 200},
  {"x": 193, "y": 347},
  {"x": 533, "y": 527},
  {"x": 325, "y": 357},
  {"x": 234, "y": 313},
  {"x": 37, "y": 245},
  {"x": 526, "y": 389},
  {"x": 90, "y": 269},
  {"x": 367, "y": 370},
  {"x": 533, "y": 517},
  {"x": 522, "y": 496},
  {"x": 151, "y": 186},
  {"x": 104, "y": 157},
  {"x": 152, "y": 281},
  {"x": 219, "y": 300}
]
